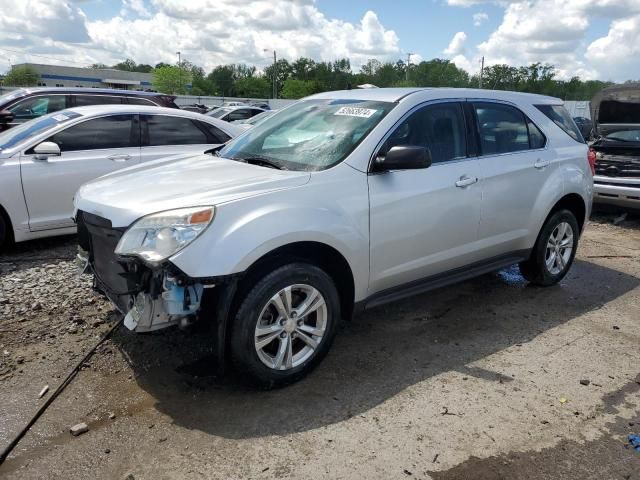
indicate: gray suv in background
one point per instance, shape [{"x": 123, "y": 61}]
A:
[
  {"x": 342, "y": 201},
  {"x": 24, "y": 104}
]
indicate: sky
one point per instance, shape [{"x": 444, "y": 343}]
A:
[{"x": 593, "y": 39}]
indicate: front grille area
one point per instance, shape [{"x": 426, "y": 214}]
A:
[
  {"x": 113, "y": 276},
  {"x": 618, "y": 166}
]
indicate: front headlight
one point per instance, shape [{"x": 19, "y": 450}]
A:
[{"x": 158, "y": 236}]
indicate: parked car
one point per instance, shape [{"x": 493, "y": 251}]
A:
[
  {"x": 44, "y": 161},
  {"x": 196, "y": 107},
  {"x": 262, "y": 105},
  {"x": 229, "y": 114},
  {"x": 616, "y": 114},
  {"x": 343, "y": 201},
  {"x": 247, "y": 123},
  {"x": 24, "y": 104}
]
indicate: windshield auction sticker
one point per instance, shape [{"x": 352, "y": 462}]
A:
[
  {"x": 60, "y": 117},
  {"x": 355, "y": 112}
]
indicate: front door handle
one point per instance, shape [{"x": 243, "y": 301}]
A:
[
  {"x": 119, "y": 157},
  {"x": 465, "y": 181},
  {"x": 540, "y": 163}
]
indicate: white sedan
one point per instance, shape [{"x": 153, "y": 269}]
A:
[{"x": 43, "y": 162}]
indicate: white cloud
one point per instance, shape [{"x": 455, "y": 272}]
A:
[
  {"x": 456, "y": 45},
  {"x": 134, "y": 7},
  {"x": 619, "y": 51},
  {"x": 207, "y": 32},
  {"x": 556, "y": 32},
  {"x": 479, "y": 18}
]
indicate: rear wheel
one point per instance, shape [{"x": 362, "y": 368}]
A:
[
  {"x": 554, "y": 250},
  {"x": 4, "y": 233},
  {"x": 285, "y": 325}
]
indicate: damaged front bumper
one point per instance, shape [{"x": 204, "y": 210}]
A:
[{"x": 151, "y": 298}]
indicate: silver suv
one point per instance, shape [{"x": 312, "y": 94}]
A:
[{"x": 343, "y": 201}]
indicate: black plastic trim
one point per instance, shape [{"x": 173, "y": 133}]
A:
[{"x": 442, "y": 279}]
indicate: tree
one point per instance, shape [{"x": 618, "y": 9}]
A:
[
  {"x": 295, "y": 89},
  {"x": 98, "y": 65},
  {"x": 21, "y": 76},
  {"x": 171, "y": 79},
  {"x": 253, "y": 87},
  {"x": 222, "y": 77}
]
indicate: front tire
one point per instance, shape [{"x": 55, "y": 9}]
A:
[
  {"x": 285, "y": 325},
  {"x": 554, "y": 251},
  {"x": 4, "y": 233}
]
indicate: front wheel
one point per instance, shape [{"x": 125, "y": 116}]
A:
[
  {"x": 554, "y": 251},
  {"x": 285, "y": 325}
]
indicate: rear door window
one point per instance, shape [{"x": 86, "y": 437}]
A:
[
  {"x": 139, "y": 101},
  {"x": 34, "y": 107},
  {"x": 115, "y": 131},
  {"x": 559, "y": 115},
  {"x": 216, "y": 135},
  {"x": 168, "y": 130},
  {"x": 502, "y": 128},
  {"x": 85, "y": 100}
]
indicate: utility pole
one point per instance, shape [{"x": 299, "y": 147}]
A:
[
  {"x": 406, "y": 70},
  {"x": 180, "y": 71},
  {"x": 481, "y": 72},
  {"x": 275, "y": 73}
]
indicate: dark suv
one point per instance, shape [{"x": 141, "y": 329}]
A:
[{"x": 24, "y": 104}]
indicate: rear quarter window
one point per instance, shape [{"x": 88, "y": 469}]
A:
[{"x": 560, "y": 116}]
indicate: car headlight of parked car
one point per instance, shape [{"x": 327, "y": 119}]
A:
[{"x": 156, "y": 237}]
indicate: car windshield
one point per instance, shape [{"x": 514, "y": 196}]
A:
[
  {"x": 309, "y": 135},
  {"x": 15, "y": 135},
  {"x": 220, "y": 112},
  {"x": 624, "y": 135}
]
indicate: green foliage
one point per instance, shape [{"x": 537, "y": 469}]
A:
[
  {"x": 305, "y": 76},
  {"x": 21, "y": 76},
  {"x": 295, "y": 89},
  {"x": 171, "y": 79},
  {"x": 131, "y": 66},
  {"x": 252, "y": 87}
]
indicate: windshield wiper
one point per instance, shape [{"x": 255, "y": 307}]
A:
[
  {"x": 215, "y": 150},
  {"x": 261, "y": 161}
]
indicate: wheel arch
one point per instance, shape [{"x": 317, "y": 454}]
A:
[
  {"x": 4, "y": 215},
  {"x": 575, "y": 204},
  {"x": 316, "y": 253}
]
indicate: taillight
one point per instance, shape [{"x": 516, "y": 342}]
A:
[{"x": 591, "y": 158}]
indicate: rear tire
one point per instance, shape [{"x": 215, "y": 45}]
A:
[
  {"x": 285, "y": 325},
  {"x": 4, "y": 233},
  {"x": 554, "y": 251}
]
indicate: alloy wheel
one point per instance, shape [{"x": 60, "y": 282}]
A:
[
  {"x": 291, "y": 327},
  {"x": 559, "y": 248}
]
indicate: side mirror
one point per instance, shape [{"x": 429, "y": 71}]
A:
[
  {"x": 45, "y": 150},
  {"x": 6, "y": 116},
  {"x": 404, "y": 157}
]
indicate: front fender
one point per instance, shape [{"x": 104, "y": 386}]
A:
[{"x": 243, "y": 231}]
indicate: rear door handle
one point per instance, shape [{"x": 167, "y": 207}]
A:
[
  {"x": 540, "y": 163},
  {"x": 119, "y": 157},
  {"x": 465, "y": 181}
]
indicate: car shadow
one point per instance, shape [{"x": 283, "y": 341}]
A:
[
  {"x": 53, "y": 250},
  {"x": 374, "y": 357}
]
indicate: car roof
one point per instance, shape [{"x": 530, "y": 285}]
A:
[
  {"x": 230, "y": 108},
  {"x": 399, "y": 94},
  {"x": 72, "y": 90},
  {"x": 91, "y": 110}
]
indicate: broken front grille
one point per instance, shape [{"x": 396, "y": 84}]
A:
[
  {"x": 618, "y": 166},
  {"x": 113, "y": 276}
]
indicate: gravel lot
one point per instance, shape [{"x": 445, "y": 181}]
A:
[{"x": 481, "y": 380}]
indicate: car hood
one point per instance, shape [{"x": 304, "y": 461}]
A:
[
  {"x": 616, "y": 108},
  {"x": 125, "y": 196}
]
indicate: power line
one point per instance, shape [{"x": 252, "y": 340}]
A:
[{"x": 41, "y": 56}]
